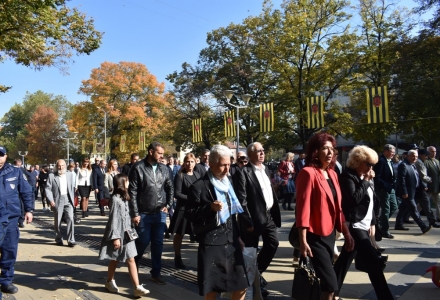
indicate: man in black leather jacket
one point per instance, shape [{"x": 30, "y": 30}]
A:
[{"x": 151, "y": 191}]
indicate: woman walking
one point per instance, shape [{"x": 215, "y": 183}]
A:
[
  {"x": 287, "y": 170},
  {"x": 84, "y": 185},
  {"x": 179, "y": 225}
]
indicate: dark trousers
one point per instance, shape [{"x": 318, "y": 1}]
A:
[
  {"x": 269, "y": 235},
  {"x": 9, "y": 252},
  {"x": 423, "y": 199},
  {"x": 366, "y": 250},
  {"x": 411, "y": 206}
]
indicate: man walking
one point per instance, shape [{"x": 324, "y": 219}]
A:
[
  {"x": 151, "y": 191},
  {"x": 433, "y": 170},
  {"x": 254, "y": 190},
  {"x": 408, "y": 182},
  {"x": 384, "y": 183},
  {"x": 127, "y": 167},
  {"x": 98, "y": 184},
  {"x": 60, "y": 191},
  {"x": 242, "y": 160},
  {"x": 14, "y": 190},
  {"x": 203, "y": 166}
]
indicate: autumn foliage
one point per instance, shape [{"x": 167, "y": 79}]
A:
[
  {"x": 44, "y": 136},
  {"x": 132, "y": 98}
]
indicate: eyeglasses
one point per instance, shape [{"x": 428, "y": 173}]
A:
[
  {"x": 259, "y": 151},
  {"x": 2, "y": 154},
  {"x": 242, "y": 157},
  {"x": 370, "y": 165}
]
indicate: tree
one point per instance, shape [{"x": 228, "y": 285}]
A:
[
  {"x": 44, "y": 136},
  {"x": 41, "y": 33},
  {"x": 382, "y": 28},
  {"x": 433, "y": 26},
  {"x": 13, "y": 123},
  {"x": 134, "y": 101}
]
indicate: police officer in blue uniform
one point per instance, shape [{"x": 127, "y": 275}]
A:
[{"x": 13, "y": 189}]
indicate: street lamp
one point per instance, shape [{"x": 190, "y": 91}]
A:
[
  {"x": 23, "y": 154},
  {"x": 246, "y": 97},
  {"x": 68, "y": 146},
  {"x": 105, "y": 130}
]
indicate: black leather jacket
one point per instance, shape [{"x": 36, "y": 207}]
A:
[{"x": 146, "y": 189}]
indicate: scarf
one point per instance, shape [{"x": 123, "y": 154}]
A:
[{"x": 221, "y": 188}]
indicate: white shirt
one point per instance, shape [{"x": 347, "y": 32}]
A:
[
  {"x": 83, "y": 178},
  {"x": 264, "y": 181},
  {"x": 63, "y": 184}
]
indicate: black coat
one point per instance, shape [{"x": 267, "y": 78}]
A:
[
  {"x": 182, "y": 186},
  {"x": 198, "y": 211},
  {"x": 200, "y": 168},
  {"x": 384, "y": 179},
  {"x": 355, "y": 198},
  {"x": 249, "y": 193},
  {"x": 98, "y": 181}
]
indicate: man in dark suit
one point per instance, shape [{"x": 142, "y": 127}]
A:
[
  {"x": 299, "y": 164},
  {"x": 98, "y": 183},
  {"x": 253, "y": 188},
  {"x": 127, "y": 167},
  {"x": 408, "y": 182},
  {"x": 203, "y": 166},
  {"x": 384, "y": 183}
]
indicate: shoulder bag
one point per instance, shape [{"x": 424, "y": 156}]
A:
[{"x": 306, "y": 284}]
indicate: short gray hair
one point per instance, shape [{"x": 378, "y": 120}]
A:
[
  {"x": 251, "y": 147},
  {"x": 413, "y": 152},
  {"x": 389, "y": 147},
  {"x": 218, "y": 151}
]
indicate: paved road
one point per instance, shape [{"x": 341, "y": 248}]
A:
[{"x": 47, "y": 271}]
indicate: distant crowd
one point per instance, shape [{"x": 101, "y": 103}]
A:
[{"x": 231, "y": 207}]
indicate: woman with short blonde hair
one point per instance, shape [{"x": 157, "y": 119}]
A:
[{"x": 360, "y": 154}]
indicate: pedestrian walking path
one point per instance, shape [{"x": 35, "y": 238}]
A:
[{"x": 47, "y": 271}]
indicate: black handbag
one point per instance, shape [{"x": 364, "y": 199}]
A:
[
  {"x": 294, "y": 236},
  {"x": 130, "y": 235},
  {"x": 306, "y": 284}
]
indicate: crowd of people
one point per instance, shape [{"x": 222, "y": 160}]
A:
[{"x": 230, "y": 208}]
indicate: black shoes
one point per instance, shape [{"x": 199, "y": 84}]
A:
[
  {"x": 264, "y": 292},
  {"x": 435, "y": 225},
  {"x": 71, "y": 245},
  {"x": 290, "y": 208},
  {"x": 9, "y": 289},
  {"x": 178, "y": 263},
  {"x": 284, "y": 206},
  {"x": 388, "y": 235},
  {"x": 401, "y": 228},
  {"x": 426, "y": 229},
  {"x": 59, "y": 243},
  {"x": 263, "y": 281}
]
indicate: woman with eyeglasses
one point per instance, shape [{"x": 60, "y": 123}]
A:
[
  {"x": 318, "y": 210},
  {"x": 358, "y": 201},
  {"x": 84, "y": 185}
]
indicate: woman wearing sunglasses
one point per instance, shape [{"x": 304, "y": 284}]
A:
[{"x": 358, "y": 201}]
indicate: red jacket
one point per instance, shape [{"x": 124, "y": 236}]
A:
[
  {"x": 283, "y": 168},
  {"x": 315, "y": 208}
]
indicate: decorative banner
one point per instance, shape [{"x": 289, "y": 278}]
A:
[
  {"x": 122, "y": 144},
  {"x": 94, "y": 146},
  {"x": 229, "y": 124},
  {"x": 141, "y": 140},
  {"x": 197, "y": 130},
  {"x": 107, "y": 145},
  {"x": 377, "y": 105},
  {"x": 266, "y": 117},
  {"x": 83, "y": 147},
  {"x": 315, "y": 112}
]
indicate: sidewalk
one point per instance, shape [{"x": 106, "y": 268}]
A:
[{"x": 47, "y": 271}]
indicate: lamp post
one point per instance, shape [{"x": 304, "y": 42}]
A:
[
  {"x": 246, "y": 97},
  {"x": 105, "y": 130},
  {"x": 23, "y": 154},
  {"x": 68, "y": 146}
]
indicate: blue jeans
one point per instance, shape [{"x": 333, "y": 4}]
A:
[{"x": 151, "y": 228}]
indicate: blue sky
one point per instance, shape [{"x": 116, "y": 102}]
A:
[{"x": 162, "y": 34}]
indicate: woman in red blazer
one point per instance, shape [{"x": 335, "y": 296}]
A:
[{"x": 319, "y": 212}]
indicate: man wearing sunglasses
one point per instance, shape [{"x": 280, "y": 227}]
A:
[
  {"x": 242, "y": 160},
  {"x": 14, "y": 189},
  {"x": 253, "y": 188}
]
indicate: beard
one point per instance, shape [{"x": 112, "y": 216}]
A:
[{"x": 62, "y": 171}]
